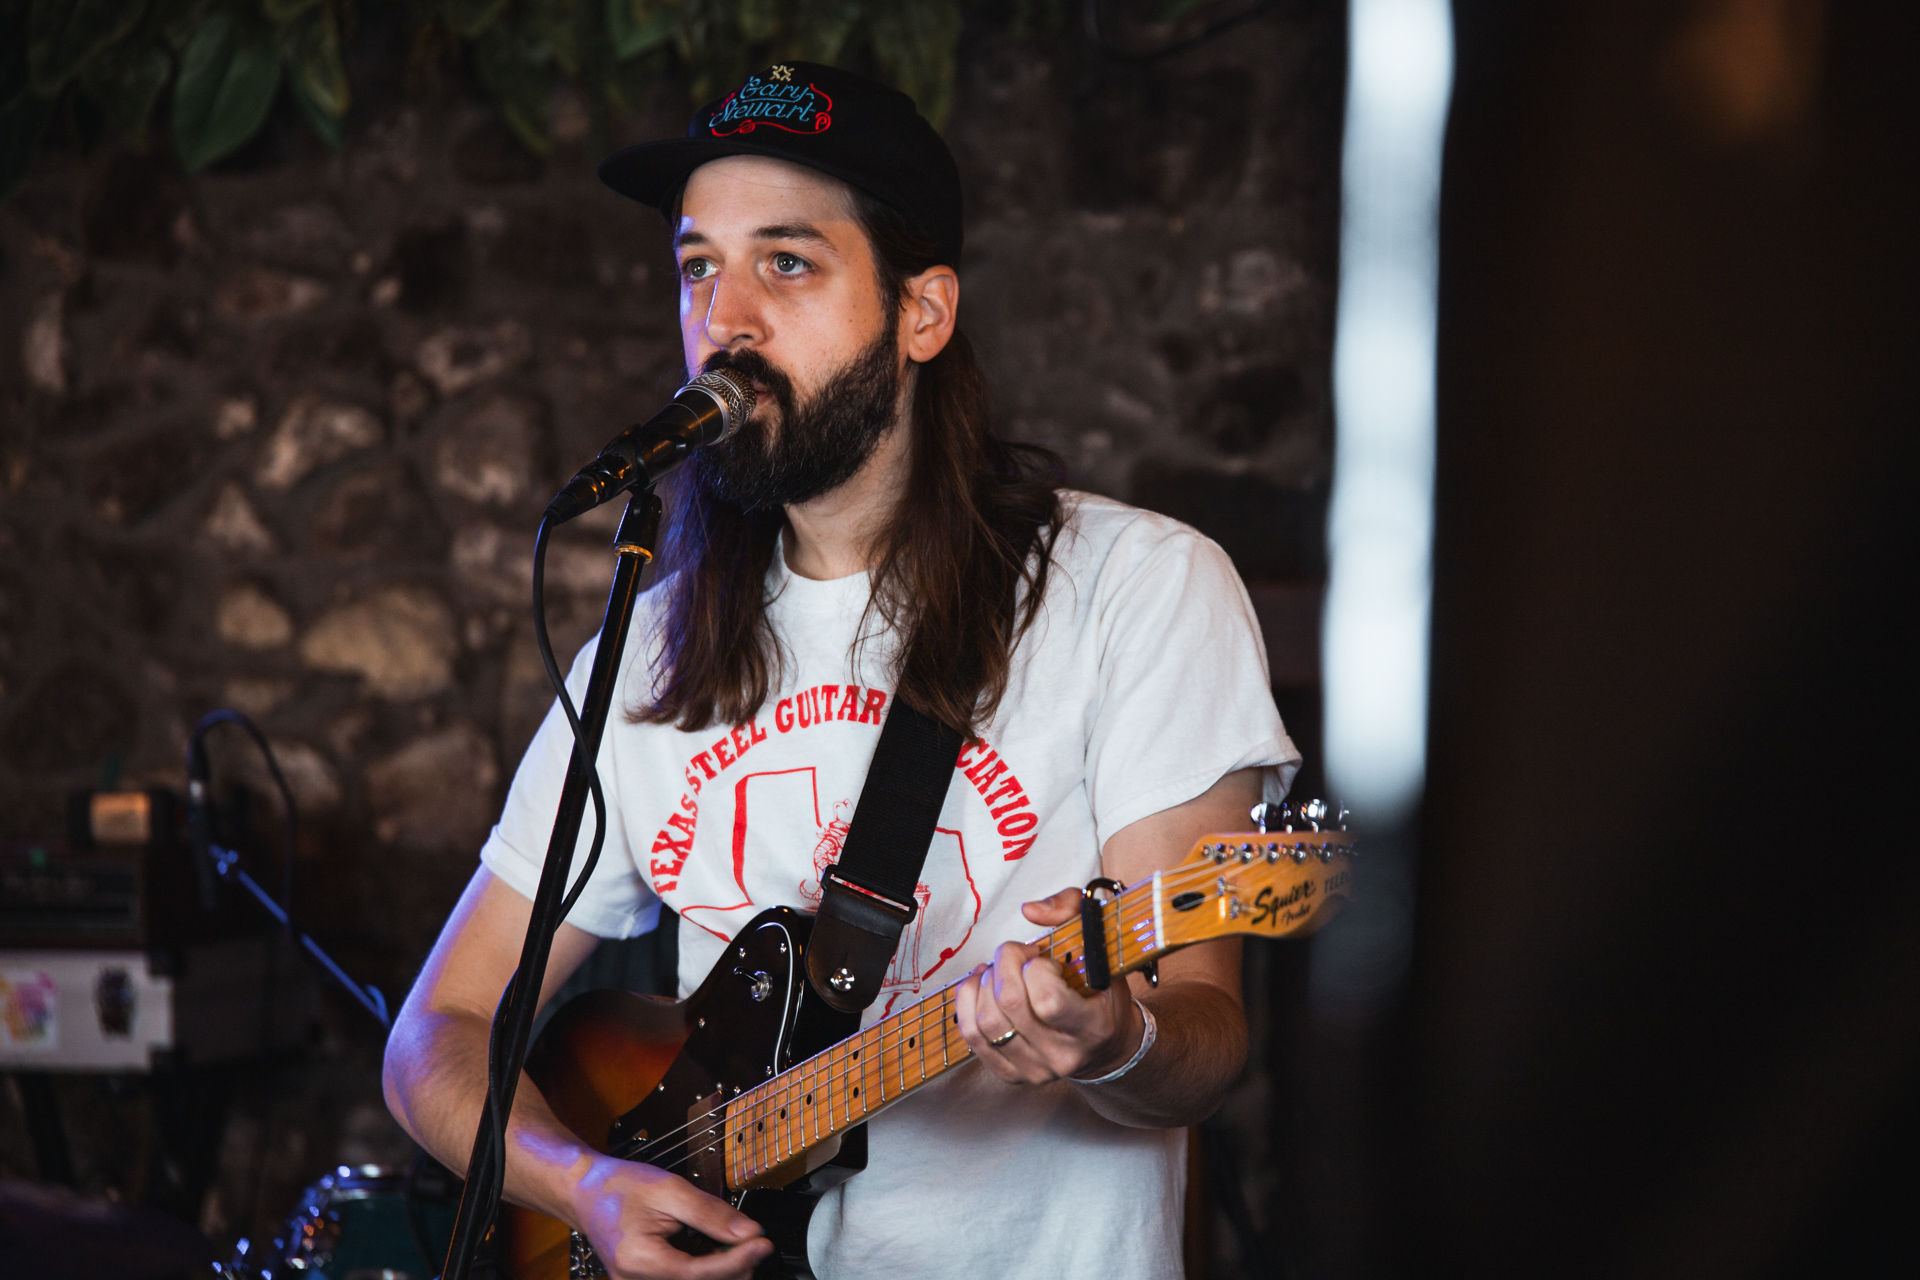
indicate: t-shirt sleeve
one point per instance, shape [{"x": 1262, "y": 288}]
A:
[
  {"x": 1185, "y": 698},
  {"x": 617, "y": 902}
]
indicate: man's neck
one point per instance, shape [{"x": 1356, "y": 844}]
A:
[{"x": 836, "y": 534}]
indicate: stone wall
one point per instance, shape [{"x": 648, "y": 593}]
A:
[{"x": 275, "y": 437}]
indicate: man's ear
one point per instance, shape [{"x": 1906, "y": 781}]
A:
[{"x": 927, "y": 316}]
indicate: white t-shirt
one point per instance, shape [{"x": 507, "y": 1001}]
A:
[{"x": 1141, "y": 683}]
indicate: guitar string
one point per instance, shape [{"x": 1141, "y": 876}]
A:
[
  {"x": 761, "y": 1104},
  {"x": 765, "y": 1100},
  {"x": 838, "y": 1059},
  {"x": 1065, "y": 937}
]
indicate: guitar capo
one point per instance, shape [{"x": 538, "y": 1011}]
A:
[{"x": 1093, "y": 932}]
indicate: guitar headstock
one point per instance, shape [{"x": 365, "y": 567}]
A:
[{"x": 1266, "y": 882}]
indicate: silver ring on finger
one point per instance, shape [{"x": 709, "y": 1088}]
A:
[{"x": 1005, "y": 1039}]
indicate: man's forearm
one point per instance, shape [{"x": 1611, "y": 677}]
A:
[
  {"x": 1201, "y": 1046},
  {"x": 435, "y": 1082}
]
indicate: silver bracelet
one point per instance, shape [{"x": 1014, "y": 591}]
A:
[{"x": 1146, "y": 1043}]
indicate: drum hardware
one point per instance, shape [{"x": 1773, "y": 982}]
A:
[{"x": 365, "y": 1222}]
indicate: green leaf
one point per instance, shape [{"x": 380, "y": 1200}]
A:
[
  {"x": 710, "y": 49},
  {"x": 759, "y": 20},
  {"x": 551, "y": 30},
  {"x": 821, "y": 30},
  {"x": 915, "y": 44},
  {"x": 310, "y": 46},
  {"x": 636, "y": 26},
  {"x": 228, "y": 75},
  {"x": 178, "y": 21},
  {"x": 629, "y": 84},
  {"x": 20, "y": 128},
  {"x": 331, "y": 128},
  {"x": 519, "y": 85},
  {"x": 123, "y": 82},
  {"x": 468, "y": 18},
  {"x": 66, "y": 34}
]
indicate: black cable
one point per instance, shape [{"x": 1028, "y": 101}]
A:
[
  {"x": 226, "y": 715},
  {"x": 497, "y": 1120},
  {"x": 1098, "y": 39},
  {"x": 559, "y": 684},
  {"x": 415, "y": 1211}
]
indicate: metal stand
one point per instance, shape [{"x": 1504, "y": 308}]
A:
[
  {"x": 513, "y": 1021},
  {"x": 226, "y": 864}
]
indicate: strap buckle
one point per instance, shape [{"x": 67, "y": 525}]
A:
[{"x": 907, "y": 910}]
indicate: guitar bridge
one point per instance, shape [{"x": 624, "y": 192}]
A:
[{"x": 582, "y": 1262}]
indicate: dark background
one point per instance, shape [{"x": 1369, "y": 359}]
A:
[
  {"x": 1665, "y": 998},
  {"x": 1662, "y": 1017}
]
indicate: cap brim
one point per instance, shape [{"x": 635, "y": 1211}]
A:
[{"x": 651, "y": 171}]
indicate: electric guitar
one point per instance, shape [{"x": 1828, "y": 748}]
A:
[{"x": 757, "y": 1091}]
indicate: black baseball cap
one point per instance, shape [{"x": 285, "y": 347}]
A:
[{"x": 844, "y": 125}]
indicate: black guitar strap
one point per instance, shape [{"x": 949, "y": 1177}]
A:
[{"x": 867, "y": 896}]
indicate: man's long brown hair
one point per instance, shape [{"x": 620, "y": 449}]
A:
[{"x": 975, "y": 524}]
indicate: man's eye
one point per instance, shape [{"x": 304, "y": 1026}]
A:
[
  {"x": 696, "y": 268},
  {"x": 789, "y": 264}
]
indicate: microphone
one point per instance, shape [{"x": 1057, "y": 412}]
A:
[{"x": 705, "y": 411}]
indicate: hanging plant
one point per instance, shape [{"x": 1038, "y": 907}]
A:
[{"x": 208, "y": 72}]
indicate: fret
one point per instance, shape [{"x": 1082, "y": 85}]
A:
[
  {"x": 874, "y": 1060},
  {"x": 923, "y": 1049}
]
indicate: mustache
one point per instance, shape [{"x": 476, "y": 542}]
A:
[{"x": 751, "y": 364}]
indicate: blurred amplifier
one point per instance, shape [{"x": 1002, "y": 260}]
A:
[
  {"x": 122, "y": 877},
  {"x": 131, "y": 1010}
]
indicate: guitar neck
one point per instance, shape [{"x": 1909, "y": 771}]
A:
[
  {"x": 772, "y": 1125},
  {"x": 812, "y": 1102}
]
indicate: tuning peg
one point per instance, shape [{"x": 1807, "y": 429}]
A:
[
  {"x": 1314, "y": 812},
  {"x": 1263, "y": 813},
  {"x": 1340, "y": 818}
]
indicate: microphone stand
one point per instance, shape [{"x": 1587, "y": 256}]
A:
[
  {"x": 226, "y": 864},
  {"x": 513, "y": 1021}
]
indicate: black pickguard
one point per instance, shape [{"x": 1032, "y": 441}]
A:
[{"x": 752, "y": 1018}]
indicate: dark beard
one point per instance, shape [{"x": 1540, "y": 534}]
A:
[{"x": 821, "y": 443}]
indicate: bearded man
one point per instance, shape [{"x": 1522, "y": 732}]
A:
[{"x": 866, "y": 538}]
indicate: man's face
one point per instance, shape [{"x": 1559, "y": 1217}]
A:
[{"x": 777, "y": 281}]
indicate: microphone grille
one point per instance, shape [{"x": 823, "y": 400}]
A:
[{"x": 735, "y": 394}]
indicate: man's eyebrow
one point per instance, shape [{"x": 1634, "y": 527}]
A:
[
  {"x": 802, "y": 231},
  {"x": 792, "y": 231}
]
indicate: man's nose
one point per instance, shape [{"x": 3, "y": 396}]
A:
[{"x": 732, "y": 318}]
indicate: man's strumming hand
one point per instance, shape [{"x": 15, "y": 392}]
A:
[{"x": 628, "y": 1211}]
